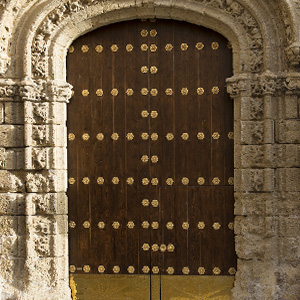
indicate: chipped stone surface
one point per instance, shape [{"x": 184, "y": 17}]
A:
[{"x": 34, "y": 94}]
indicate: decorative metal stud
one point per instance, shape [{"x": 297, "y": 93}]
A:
[
  {"x": 215, "y": 45},
  {"x": 154, "y": 159},
  {"x": 200, "y": 180},
  {"x": 130, "y": 136},
  {"x": 145, "y": 136},
  {"x": 184, "y": 91},
  {"x": 85, "y": 93},
  {"x": 154, "y": 225},
  {"x": 71, "y": 136},
  {"x": 216, "y": 181},
  {"x": 116, "y": 225},
  {"x": 216, "y": 135},
  {"x": 130, "y": 181},
  {"x": 85, "y": 136},
  {"x": 85, "y": 180},
  {"x": 200, "y": 91},
  {"x": 145, "y": 181},
  {"x": 116, "y": 269},
  {"x": 72, "y": 268},
  {"x": 201, "y": 225},
  {"x": 99, "y": 92},
  {"x": 129, "y": 47},
  {"x": 232, "y": 271},
  {"x": 154, "y": 136},
  {"x": 114, "y": 48},
  {"x": 154, "y": 203},
  {"x": 131, "y": 269},
  {"x": 114, "y": 92},
  {"x": 153, "y": 70},
  {"x": 169, "y": 92},
  {"x": 185, "y": 270},
  {"x": 163, "y": 248},
  {"x": 170, "y": 270},
  {"x": 169, "y": 47},
  {"x": 170, "y": 136},
  {"x": 216, "y": 270},
  {"x": 185, "y": 181},
  {"x": 144, "y": 91},
  {"x": 86, "y": 268},
  {"x": 72, "y": 224},
  {"x": 200, "y": 136},
  {"x": 154, "y": 114},
  {"x": 154, "y": 181},
  {"x": 146, "y": 269},
  {"x": 230, "y": 135},
  {"x": 229, "y": 45},
  {"x": 171, "y": 248},
  {"x": 153, "y": 33},
  {"x": 201, "y": 270},
  {"x": 185, "y": 136},
  {"x": 231, "y": 225},
  {"x": 100, "y": 136},
  {"x": 129, "y": 92},
  {"x": 86, "y": 224},
  {"x": 144, "y": 32},
  {"x": 146, "y": 247},
  {"x": 170, "y": 225},
  {"x": 101, "y": 225},
  {"x": 154, "y": 92},
  {"x": 145, "y": 202},
  {"x": 169, "y": 181},
  {"x": 216, "y": 226},
  {"x": 215, "y": 90},
  {"x": 153, "y": 47},
  {"x": 115, "y": 180},
  {"x": 185, "y": 225},
  {"x": 71, "y": 49},
  {"x": 115, "y": 136},
  {"x": 144, "y": 69},
  {"x": 199, "y": 46},
  {"x": 72, "y": 180},
  {"x": 144, "y": 114},
  {"x": 99, "y": 48},
  {"x": 144, "y": 47},
  {"x": 231, "y": 180},
  {"x": 145, "y": 158},
  {"x": 101, "y": 269},
  {"x": 130, "y": 224},
  {"x": 73, "y": 93},
  {"x": 155, "y": 270},
  {"x": 155, "y": 247},
  {"x": 145, "y": 224},
  {"x": 85, "y": 48},
  {"x": 184, "y": 46}
]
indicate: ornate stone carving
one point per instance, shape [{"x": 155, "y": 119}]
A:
[
  {"x": 8, "y": 90},
  {"x": 237, "y": 84},
  {"x": 293, "y": 54},
  {"x": 264, "y": 84}
]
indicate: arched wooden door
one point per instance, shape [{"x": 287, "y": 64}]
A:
[{"x": 150, "y": 162}]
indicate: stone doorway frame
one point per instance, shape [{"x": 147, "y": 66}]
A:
[{"x": 33, "y": 160}]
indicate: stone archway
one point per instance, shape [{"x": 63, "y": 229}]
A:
[{"x": 34, "y": 94}]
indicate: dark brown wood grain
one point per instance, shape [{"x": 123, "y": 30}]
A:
[{"x": 178, "y": 201}]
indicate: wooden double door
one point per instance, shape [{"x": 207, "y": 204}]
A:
[{"x": 150, "y": 161}]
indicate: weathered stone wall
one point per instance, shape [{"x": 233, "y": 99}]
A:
[{"x": 35, "y": 36}]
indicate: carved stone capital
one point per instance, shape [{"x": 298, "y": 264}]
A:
[
  {"x": 237, "y": 85},
  {"x": 291, "y": 83},
  {"x": 265, "y": 84},
  {"x": 8, "y": 90},
  {"x": 293, "y": 54}
]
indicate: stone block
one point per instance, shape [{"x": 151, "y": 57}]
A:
[
  {"x": 11, "y": 136},
  {"x": 12, "y": 225},
  {"x": 46, "y": 181},
  {"x": 252, "y": 133},
  {"x": 12, "y": 271},
  {"x": 288, "y": 131},
  {"x": 252, "y": 108},
  {"x": 288, "y": 107},
  {"x": 14, "y": 159},
  {"x": 1, "y": 112},
  {"x": 45, "y": 135},
  {"x": 45, "y": 113},
  {"x": 257, "y": 156},
  {"x": 12, "y": 204},
  {"x": 288, "y": 204},
  {"x": 14, "y": 112},
  {"x": 13, "y": 246},
  {"x": 289, "y": 249},
  {"x": 288, "y": 179},
  {"x": 254, "y": 180},
  {"x": 289, "y": 226},
  {"x": 46, "y": 204},
  {"x": 12, "y": 181},
  {"x": 2, "y": 158},
  {"x": 286, "y": 156}
]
